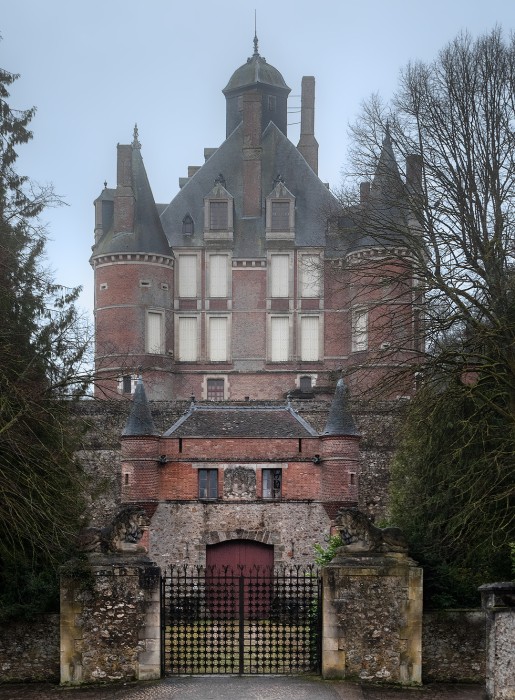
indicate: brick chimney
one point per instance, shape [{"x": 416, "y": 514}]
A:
[
  {"x": 414, "y": 173},
  {"x": 124, "y": 197},
  {"x": 308, "y": 144},
  {"x": 252, "y": 108}
]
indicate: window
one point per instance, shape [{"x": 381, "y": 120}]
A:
[
  {"x": 309, "y": 343},
  {"x": 310, "y": 274},
  {"x": 155, "y": 339},
  {"x": 280, "y": 216},
  {"x": 272, "y": 102},
  {"x": 359, "y": 329},
  {"x": 305, "y": 384},
  {"x": 208, "y": 483},
  {"x": 272, "y": 483},
  {"x": 215, "y": 389},
  {"x": 187, "y": 225},
  {"x": 279, "y": 276},
  {"x": 188, "y": 339},
  {"x": 218, "y": 275},
  {"x": 218, "y": 219},
  {"x": 126, "y": 384},
  {"x": 218, "y": 339},
  {"x": 280, "y": 339},
  {"x": 187, "y": 276}
]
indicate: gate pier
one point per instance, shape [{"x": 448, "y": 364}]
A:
[{"x": 110, "y": 627}]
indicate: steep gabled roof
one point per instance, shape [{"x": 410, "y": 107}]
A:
[
  {"x": 279, "y": 157},
  {"x": 139, "y": 422},
  {"x": 340, "y": 420}
]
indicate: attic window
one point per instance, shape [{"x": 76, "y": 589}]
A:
[
  {"x": 218, "y": 219},
  {"x": 187, "y": 225},
  {"x": 280, "y": 216}
]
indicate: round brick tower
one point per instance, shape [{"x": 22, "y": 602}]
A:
[{"x": 134, "y": 274}]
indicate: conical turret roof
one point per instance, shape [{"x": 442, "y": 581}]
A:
[
  {"x": 340, "y": 420},
  {"x": 140, "y": 420}
]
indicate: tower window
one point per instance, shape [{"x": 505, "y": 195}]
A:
[
  {"x": 218, "y": 216},
  {"x": 215, "y": 390},
  {"x": 272, "y": 102},
  {"x": 127, "y": 384},
  {"x": 187, "y": 226},
  {"x": 359, "y": 329}
]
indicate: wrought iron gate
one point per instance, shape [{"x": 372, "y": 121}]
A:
[{"x": 238, "y": 621}]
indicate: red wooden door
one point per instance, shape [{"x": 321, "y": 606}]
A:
[
  {"x": 236, "y": 553},
  {"x": 239, "y": 578}
]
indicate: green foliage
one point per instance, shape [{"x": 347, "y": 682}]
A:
[
  {"x": 41, "y": 350},
  {"x": 324, "y": 555},
  {"x": 453, "y": 489}
]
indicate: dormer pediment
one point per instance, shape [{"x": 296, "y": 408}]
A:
[{"x": 280, "y": 213}]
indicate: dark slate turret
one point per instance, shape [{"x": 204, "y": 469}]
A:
[
  {"x": 340, "y": 420},
  {"x": 140, "y": 421}
]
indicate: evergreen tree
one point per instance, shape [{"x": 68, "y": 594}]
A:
[{"x": 41, "y": 350}]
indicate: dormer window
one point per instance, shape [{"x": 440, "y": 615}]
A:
[
  {"x": 187, "y": 226},
  {"x": 218, "y": 213},
  {"x": 218, "y": 216},
  {"x": 280, "y": 216},
  {"x": 280, "y": 213}
]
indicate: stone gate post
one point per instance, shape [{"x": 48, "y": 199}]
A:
[
  {"x": 372, "y": 606},
  {"x": 110, "y": 620},
  {"x": 498, "y": 601}
]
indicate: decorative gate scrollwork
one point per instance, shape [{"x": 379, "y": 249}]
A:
[{"x": 256, "y": 621}]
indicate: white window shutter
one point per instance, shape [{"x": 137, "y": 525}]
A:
[
  {"x": 310, "y": 274},
  {"x": 359, "y": 329},
  {"x": 280, "y": 267},
  {"x": 188, "y": 331},
  {"x": 187, "y": 276},
  {"x": 280, "y": 339},
  {"x": 218, "y": 339},
  {"x": 155, "y": 342},
  {"x": 309, "y": 345},
  {"x": 218, "y": 276}
]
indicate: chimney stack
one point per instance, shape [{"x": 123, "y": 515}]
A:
[
  {"x": 414, "y": 173},
  {"x": 308, "y": 145},
  {"x": 124, "y": 197},
  {"x": 252, "y": 108}
]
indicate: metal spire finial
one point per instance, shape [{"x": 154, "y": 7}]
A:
[
  {"x": 135, "y": 141},
  {"x": 256, "y": 52}
]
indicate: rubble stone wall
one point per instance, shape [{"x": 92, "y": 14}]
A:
[{"x": 29, "y": 650}]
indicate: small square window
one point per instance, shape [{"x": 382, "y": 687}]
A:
[
  {"x": 272, "y": 483},
  {"x": 103, "y": 286},
  {"x": 208, "y": 483},
  {"x": 215, "y": 389}
]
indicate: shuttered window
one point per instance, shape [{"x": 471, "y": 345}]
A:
[
  {"x": 218, "y": 219},
  {"x": 188, "y": 339},
  {"x": 279, "y": 275},
  {"x": 218, "y": 339},
  {"x": 309, "y": 340},
  {"x": 280, "y": 338},
  {"x": 208, "y": 483},
  {"x": 280, "y": 216},
  {"x": 359, "y": 329},
  {"x": 187, "y": 276},
  {"x": 218, "y": 275},
  {"x": 310, "y": 274},
  {"x": 155, "y": 341}
]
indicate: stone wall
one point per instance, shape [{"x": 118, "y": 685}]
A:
[
  {"x": 29, "y": 650},
  {"x": 454, "y": 646},
  {"x": 498, "y": 602},
  {"x": 180, "y": 531}
]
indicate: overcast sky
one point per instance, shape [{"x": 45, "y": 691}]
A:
[{"x": 95, "y": 67}]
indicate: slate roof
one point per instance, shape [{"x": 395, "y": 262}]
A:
[
  {"x": 253, "y": 73},
  {"x": 140, "y": 421},
  {"x": 148, "y": 235},
  {"x": 279, "y": 157},
  {"x": 340, "y": 420},
  {"x": 208, "y": 421}
]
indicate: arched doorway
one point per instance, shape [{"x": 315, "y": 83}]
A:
[{"x": 240, "y": 555}]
